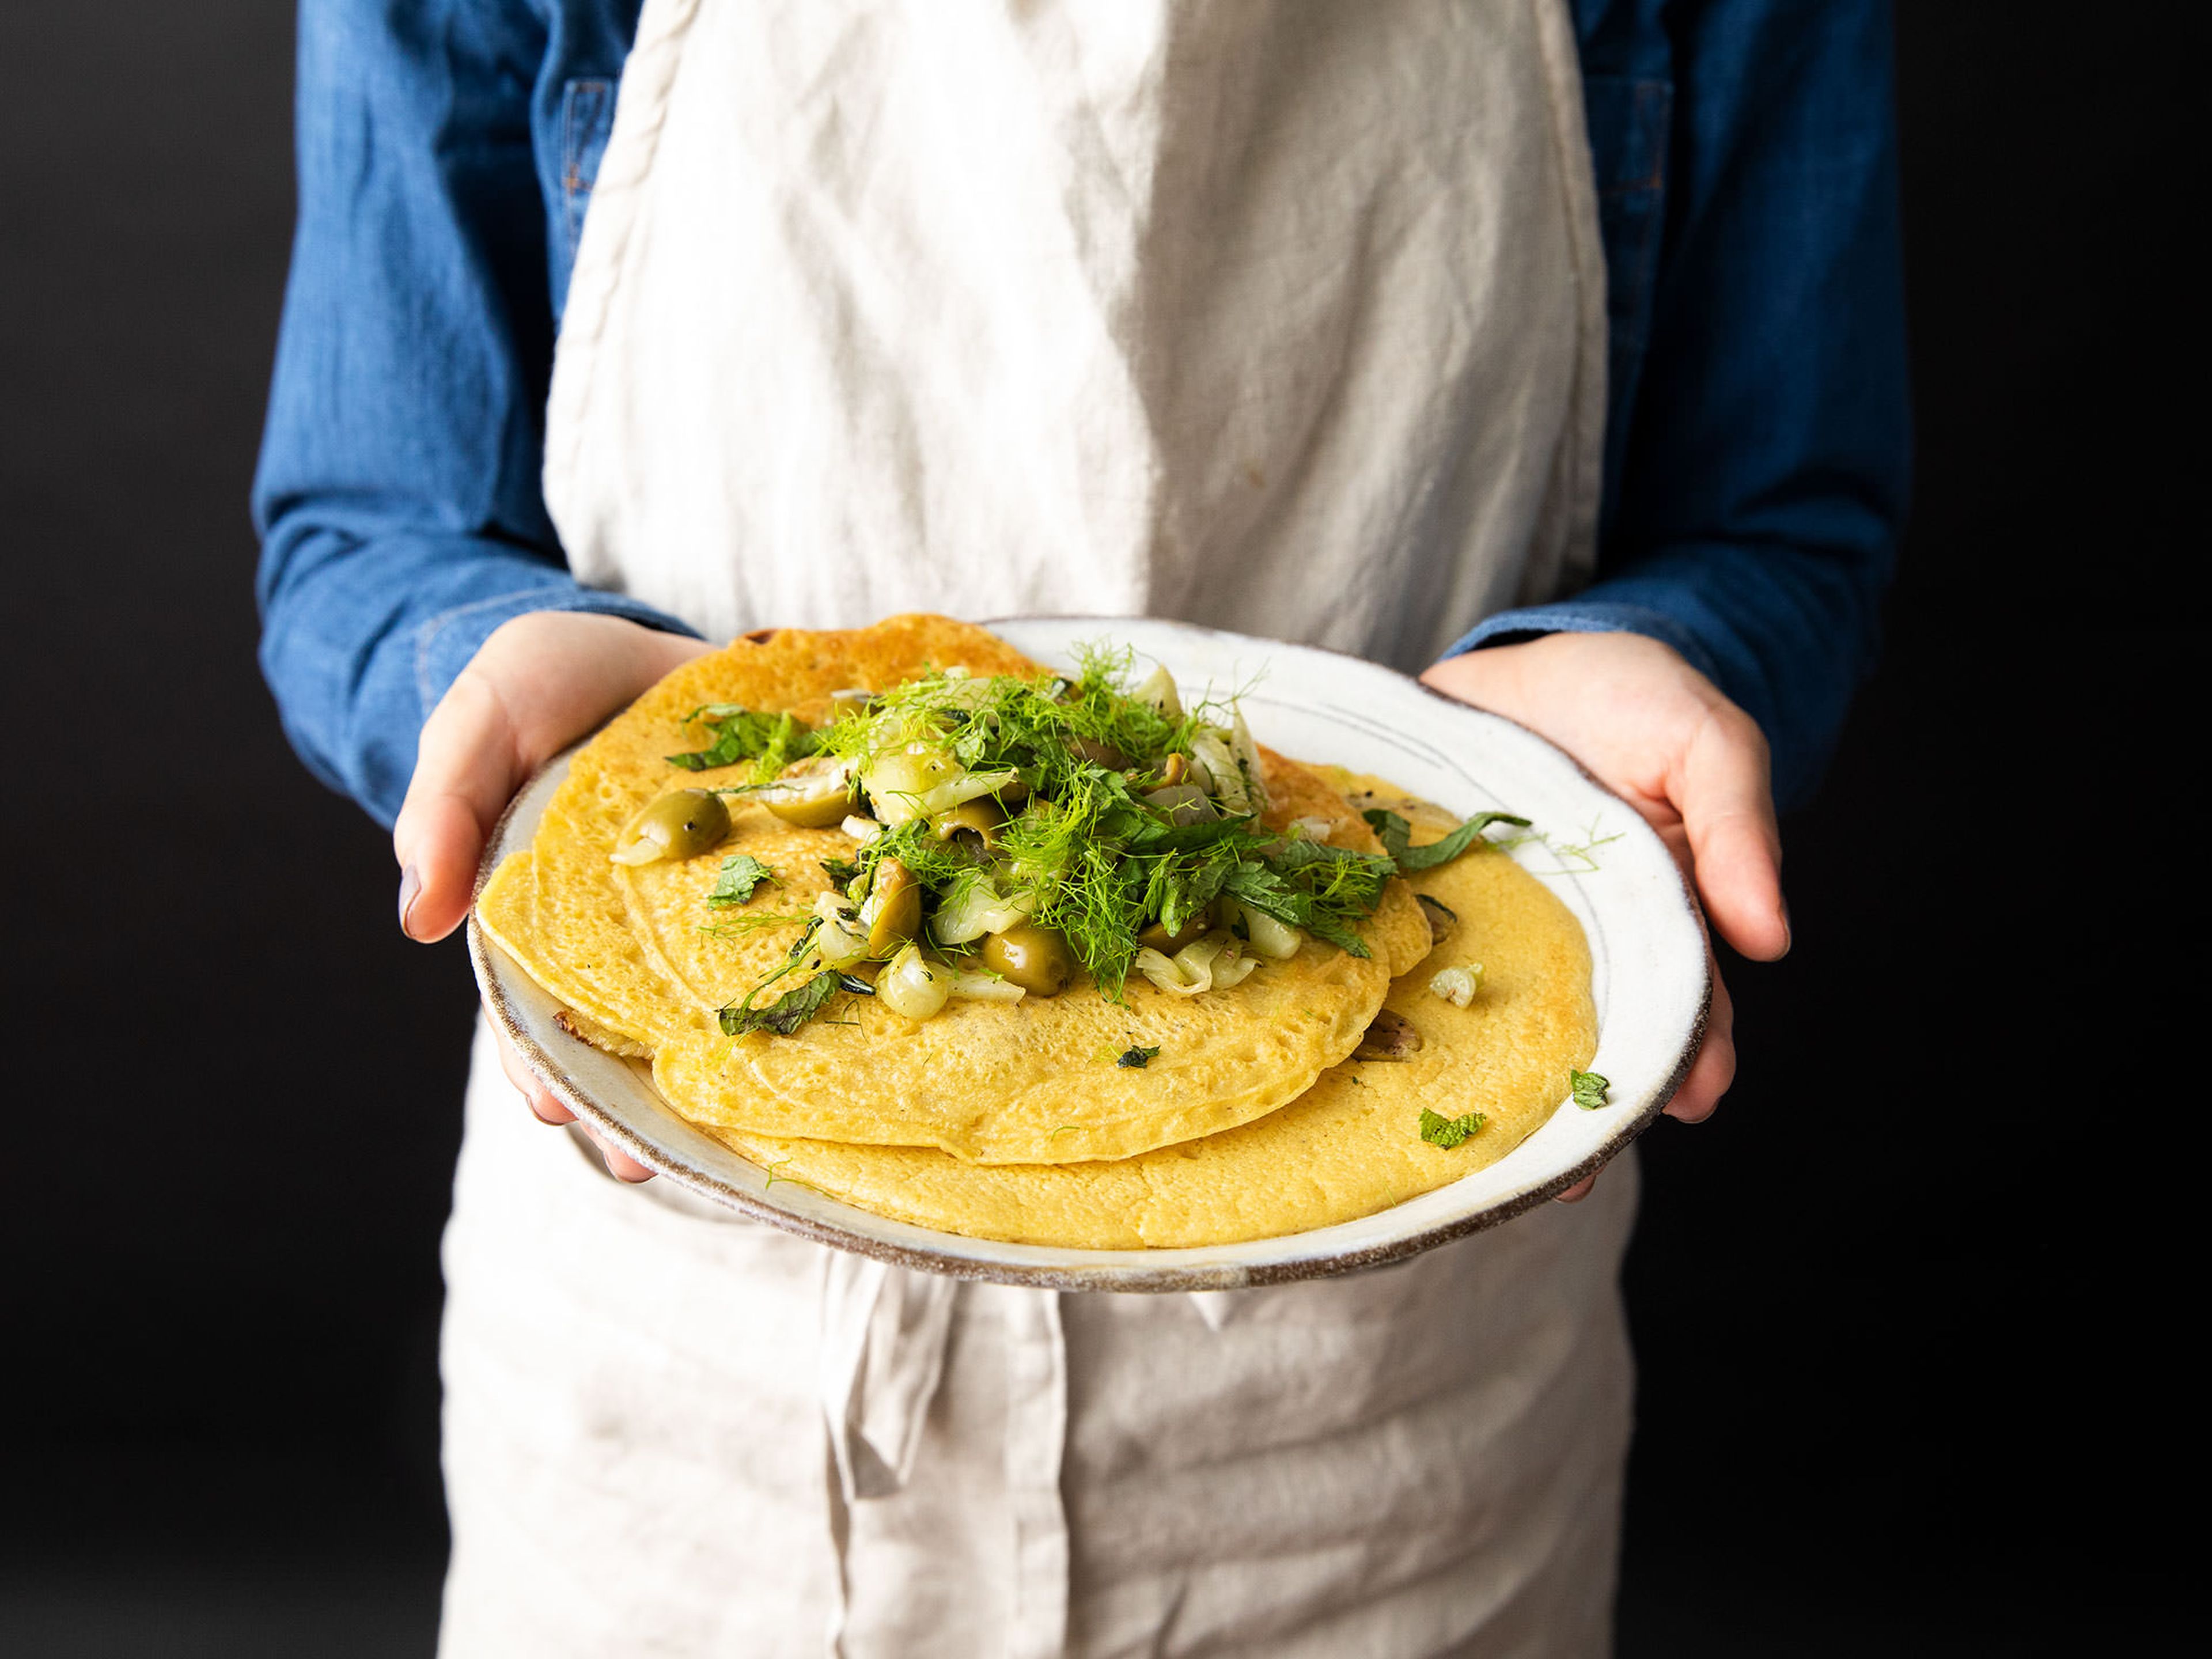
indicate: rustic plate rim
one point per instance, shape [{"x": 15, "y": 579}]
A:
[{"x": 1113, "y": 1270}]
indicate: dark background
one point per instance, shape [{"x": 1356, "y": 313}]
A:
[{"x": 1903, "y": 1308}]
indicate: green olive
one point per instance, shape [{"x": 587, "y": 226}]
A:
[
  {"x": 894, "y": 907},
  {"x": 852, "y": 701},
  {"x": 1157, "y": 937},
  {"x": 1099, "y": 754},
  {"x": 679, "y": 825},
  {"x": 1390, "y": 1035},
  {"x": 981, "y": 817},
  {"x": 810, "y": 800},
  {"x": 1035, "y": 958}
]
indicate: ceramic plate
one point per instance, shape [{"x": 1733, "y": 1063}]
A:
[{"x": 1647, "y": 950}]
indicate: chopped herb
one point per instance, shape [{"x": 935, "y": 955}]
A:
[
  {"x": 1096, "y": 862},
  {"x": 1449, "y": 1132},
  {"x": 741, "y": 873},
  {"x": 787, "y": 1013},
  {"x": 1137, "y": 1058},
  {"x": 1396, "y": 836},
  {"x": 1083, "y": 850},
  {"x": 1576, "y": 858},
  {"x": 772, "y": 741},
  {"x": 745, "y": 926},
  {"x": 1589, "y": 1088},
  {"x": 788, "y": 1181}
]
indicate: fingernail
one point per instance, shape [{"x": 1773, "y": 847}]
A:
[
  {"x": 410, "y": 888},
  {"x": 1789, "y": 934}
]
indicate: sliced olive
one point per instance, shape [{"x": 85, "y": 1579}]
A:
[
  {"x": 1035, "y": 958},
  {"x": 1099, "y": 754},
  {"x": 679, "y": 825},
  {"x": 814, "y": 799},
  {"x": 894, "y": 907},
  {"x": 1441, "y": 919},
  {"x": 981, "y": 817},
  {"x": 1183, "y": 804},
  {"x": 1389, "y": 1037},
  {"x": 1157, "y": 937}
]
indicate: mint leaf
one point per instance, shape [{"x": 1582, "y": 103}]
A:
[
  {"x": 1589, "y": 1088},
  {"x": 787, "y": 1013},
  {"x": 1391, "y": 830},
  {"x": 740, "y": 874},
  {"x": 1396, "y": 836},
  {"x": 1449, "y": 1132},
  {"x": 771, "y": 741}
]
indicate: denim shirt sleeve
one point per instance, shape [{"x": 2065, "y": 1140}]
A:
[
  {"x": 1759, "y": 439},
  {"x": 397, "y": 495}
]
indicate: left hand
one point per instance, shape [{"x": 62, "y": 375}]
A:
[{"x": 1659, "y": 734}]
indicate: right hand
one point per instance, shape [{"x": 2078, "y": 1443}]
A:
[{"x": 539, "y": 683}]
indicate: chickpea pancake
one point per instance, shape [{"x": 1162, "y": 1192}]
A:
[
  {"x": 1348, "y": 1147},
  {"x": 722, "y": 990}
]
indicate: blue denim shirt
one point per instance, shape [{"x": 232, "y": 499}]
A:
[{"x": 1757, "y": 442}]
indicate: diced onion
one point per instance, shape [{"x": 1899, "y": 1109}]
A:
[
  {"x": 912, "y": 987},
  {"x": 976, "y": 908},
  {"x": 1189, "y": 971},
  {"x": 985, "y": 988},
  {"x": 964, "y": 690},
  {"x": 862, "y": 830},
  {"x": 1163, "y": 972},
  {"x": 840, "y": 940},
  {"x": 898, "y": 782},
  {"x": 1277, "y": 941},
  {"x": 1457, "y": 986},
  {"x": 1210, "y": 749},
  {"x": 946, "y": 796},
  {"x": 1232, "y": 966},
  {"x": 1248, "y": 756},
  {"x": 1314, "y": 828},
  {"x": 1159, "y": 691}
]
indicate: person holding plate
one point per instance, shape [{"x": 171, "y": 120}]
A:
[{"x": 1553, "y": 351}]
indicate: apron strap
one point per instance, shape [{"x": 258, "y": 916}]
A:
[
  {"x": 884, "y": 1334},
  {"x": 1037, "y": 1436}
]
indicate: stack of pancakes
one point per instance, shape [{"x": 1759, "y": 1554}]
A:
[{"x": 1021, "y": 1121}]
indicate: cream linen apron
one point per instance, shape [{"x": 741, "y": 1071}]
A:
[{"x": 1285, "y": 317}]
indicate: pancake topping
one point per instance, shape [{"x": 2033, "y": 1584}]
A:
[{"x": 1012, "y": 829}]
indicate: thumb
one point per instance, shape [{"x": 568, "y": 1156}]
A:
[
  {"x": 1725, "y": 795},
  {"x": 466, "y": 768}
]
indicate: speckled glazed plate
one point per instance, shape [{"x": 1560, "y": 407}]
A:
[{"x": 1648, "y": 953}]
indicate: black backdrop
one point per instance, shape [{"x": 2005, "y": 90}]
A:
[{"x": 1902, "y": 1309}]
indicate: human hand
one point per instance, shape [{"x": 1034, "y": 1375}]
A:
[
  {"x": 1659, "y": 734},
  {"x": 539, "y": 682}
]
